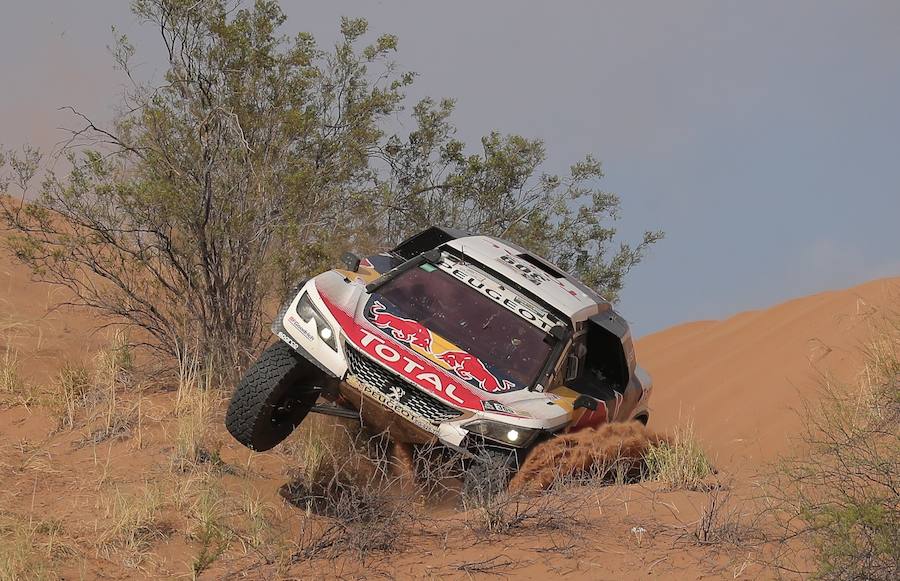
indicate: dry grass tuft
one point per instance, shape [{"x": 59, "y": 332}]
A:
[
  {"x": 113, "y": 367},
  {"x": 321, "y": 444},
  {"x": 133, "y": 522},
  {"x": 554, "y": 511},
  {"x": 10, "y": 380},
  {"x": 83, "y": 395},
  {"x": 14, "y": 390},
  {"x": 29, "y": 547},
  {"x": 20, "y": 554},
  {"x": 115, "y": 363},
  {"x": 207, "y": 515},
  {"x": 119, "y": 424},
  {"x": 256, "y": 518},
  {"x": 723, "y": 521},
  {"x": 193, "y": 410},
  {"x": 679, "y": 462},
  {"x": 75, "y": 387}
]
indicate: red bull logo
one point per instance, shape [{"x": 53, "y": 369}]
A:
[
  {"x": 470, "y": 368},
  {"x": 405, "y": 330}
]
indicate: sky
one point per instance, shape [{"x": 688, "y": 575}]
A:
[{"x": 763, "y": 137}]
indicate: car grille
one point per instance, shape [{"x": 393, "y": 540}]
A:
[{"x": 413, "y": 398}]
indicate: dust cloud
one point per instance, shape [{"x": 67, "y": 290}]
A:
[{"x": 605, "y": 452}]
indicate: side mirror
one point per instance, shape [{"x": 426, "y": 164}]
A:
[{"x": 351, "y": 261}]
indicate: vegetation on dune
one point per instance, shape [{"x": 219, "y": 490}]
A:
[
  {"x": 257, "y": 160},
  {"x": 840, "y": 502},
  {"x": 354, "y": 495}
]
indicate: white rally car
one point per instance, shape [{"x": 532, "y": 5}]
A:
[{"x": 466, "y": 341}]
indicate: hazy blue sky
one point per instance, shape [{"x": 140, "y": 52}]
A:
[{"x": 764, "y": 137}]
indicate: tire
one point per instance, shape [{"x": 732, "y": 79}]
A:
[
  {"x": 272, "y": 398},
  {"x": 488, "y": 475}
]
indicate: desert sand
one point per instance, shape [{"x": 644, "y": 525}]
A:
[{"x": 742, "y": 382}]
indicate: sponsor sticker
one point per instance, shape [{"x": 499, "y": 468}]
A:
[
  {"x": 471, "y": 368},
  {"x": 287, "y": 339},
  {"x": 296, "y": 324},
  {"x": 500, "y": 295},
  {"x": 402, "y": 329},
  {"x": 535, "y": 276},
  {"x": 465, "y": 365},
  {"x": 497, "y": 407}
]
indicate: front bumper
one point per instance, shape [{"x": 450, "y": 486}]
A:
[{"x": 430, "y": 418}]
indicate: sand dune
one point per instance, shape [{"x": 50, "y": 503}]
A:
[{"x": 743, "y": 381}]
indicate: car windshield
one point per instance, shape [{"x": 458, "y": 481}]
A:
[{"x": 511, "y": 347}]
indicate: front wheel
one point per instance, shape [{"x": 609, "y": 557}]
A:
[{"x": 272, "y": 398}]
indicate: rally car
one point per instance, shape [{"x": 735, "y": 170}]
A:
[{"x": 468, "y": 342}]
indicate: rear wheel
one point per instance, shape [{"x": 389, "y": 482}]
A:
[{"x": 272, "y": 399}]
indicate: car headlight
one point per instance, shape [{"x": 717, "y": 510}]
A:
[
  {"x": 505, "y": 433},
  {"x": 308, "y": 312}
]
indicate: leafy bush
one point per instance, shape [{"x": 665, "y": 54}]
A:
[{"x": 257, "y": 161}]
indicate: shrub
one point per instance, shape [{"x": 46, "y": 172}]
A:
[
  {"x": 839, "y": 501},
  {"x": 352, "y": 484}
]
